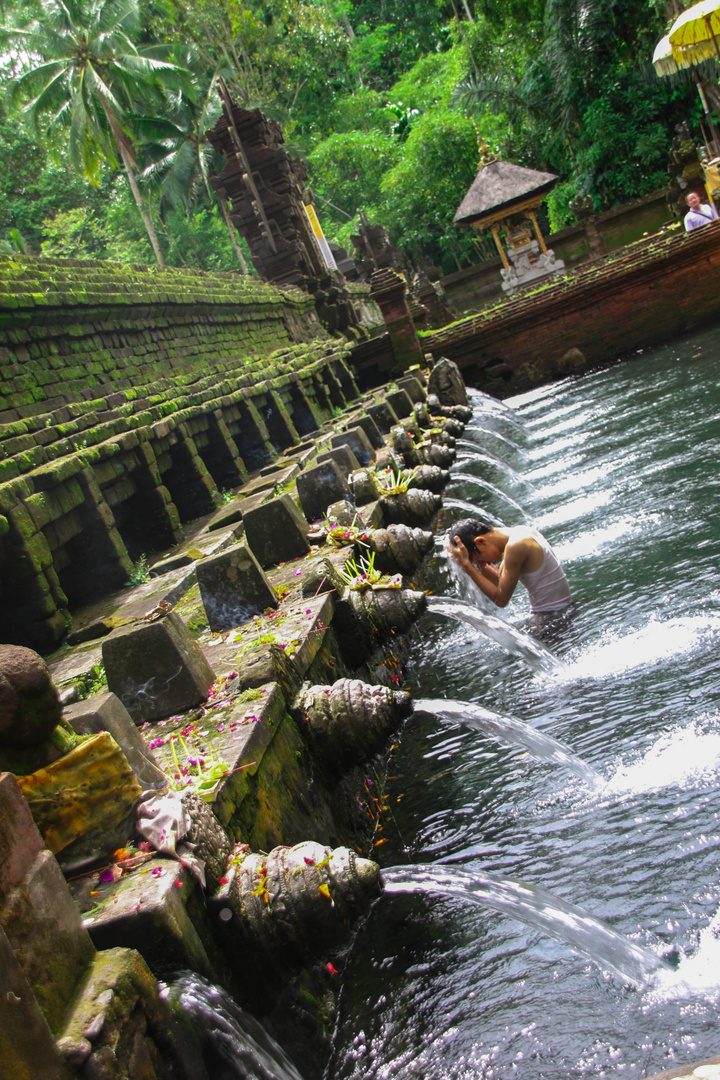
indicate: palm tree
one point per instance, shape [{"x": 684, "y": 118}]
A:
[
  {"x": 85, "y": 75},
  {"x": 181, "y": 158}
]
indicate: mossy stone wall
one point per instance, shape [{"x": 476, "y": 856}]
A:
[{"x": 128, "y": 398}]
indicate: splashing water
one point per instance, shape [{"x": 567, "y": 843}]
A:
[
  {"x": 513, "y": 641},
  {"x": 537, "y": 908},
  {"x": 489, "y": 406},
  {"x": 628, "y": 500},
  {"x": 492, "y": 461},
  {"x": 466, "y": 478},
  {"x": 697, "y": 974},
  {"x": 510, "y": 730},
  {"x": 233, "y": 1044},
  {"x": 472, "y": 429},
  {"x": 472, "y": 509}
]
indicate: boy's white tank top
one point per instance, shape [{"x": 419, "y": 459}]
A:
[{"x": 547, "y": 587}]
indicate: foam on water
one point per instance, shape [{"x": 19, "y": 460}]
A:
[
  {"x": 595, "y": 540},
  {"x": 697, "y": 975},
  {"x": 657, "y": 641},
  {"x": 575, "y": 509},
  {"x": 682, "y": 757}
]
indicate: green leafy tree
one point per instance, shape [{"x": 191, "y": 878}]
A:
[
  {"x": 84, "y": 74},
  {"x": 179, "y": 172},
  {"x": 422, "y": 192},
  {"x": 279, "y": 55},
  {"x": 573, "y": 82},
  {"x": 348, "y": 168}
]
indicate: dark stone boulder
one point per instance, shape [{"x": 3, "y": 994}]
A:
[
  {"x": 447, "y": 383},
  {"x": 29, "y": 705}
]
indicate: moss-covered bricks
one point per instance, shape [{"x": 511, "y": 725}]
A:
[{"x": 128, "y": 398}]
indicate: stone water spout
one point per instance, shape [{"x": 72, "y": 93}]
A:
[
  {"x": 415, "y": 506},
  {"x": 399, "y": 549},
  {"x": 384, "y": 611},
  {"x": 349, "y": 721},
  {"x": 463, "y": 413},
  {"x": 431, "y": 477},
  {"x": 300, "y": 899},
  {"x": 437, "y": 454}
]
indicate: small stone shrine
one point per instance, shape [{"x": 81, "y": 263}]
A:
[{"x": 505, "y": 196}]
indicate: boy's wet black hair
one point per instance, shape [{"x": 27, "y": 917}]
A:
[{"x": 467, "y": 529}]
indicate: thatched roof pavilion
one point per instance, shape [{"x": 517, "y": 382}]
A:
[{"x": 499, "y": 191}]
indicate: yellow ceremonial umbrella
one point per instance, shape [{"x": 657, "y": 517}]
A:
[
  {"x": 695, "y": 33},
  {"x": 672, "y": 56},
  {"x": 668, "y": 61}
]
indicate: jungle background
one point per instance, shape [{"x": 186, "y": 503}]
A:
[{"x": 107, "y": 102}]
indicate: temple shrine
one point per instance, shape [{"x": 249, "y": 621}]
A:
[{"x": 505, "y": 196}]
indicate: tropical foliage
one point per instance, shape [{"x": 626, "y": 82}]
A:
[{"x": 103, "y": 130}]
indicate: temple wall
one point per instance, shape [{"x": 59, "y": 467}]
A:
[
  {"x": 129, "y": 398},
  {"x": 654, "y": 289}
]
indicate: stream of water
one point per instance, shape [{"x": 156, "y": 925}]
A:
[{"x": 622, "y": 465}]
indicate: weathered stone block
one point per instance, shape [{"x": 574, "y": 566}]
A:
[
  {"x": 276, "y": 531},
  {"x": 20, "y": 839},
  {"x": 364, "y": 487},
  {"x": 156, "y": 668},
  {"x": 413, "y": 387},
  {"x": 371, "y": 430},
  {"x": 47, "y": 936},
  {"x": 320, "y": 486},
  {"x": 384, "y": 416},
  {"x": 358, "y": 442},
  {"x": 27, "y": 1048},
  {"x": 342, "y": 513},
  {"x": 343, "y": 457},
  {"x": 119, "y": 1026},
  {"x": 149, "y": 912},
  {"x": 105, "y": 712},
  {"x": 233, "y": 588},
  {"x": 400, "y": 402}
]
